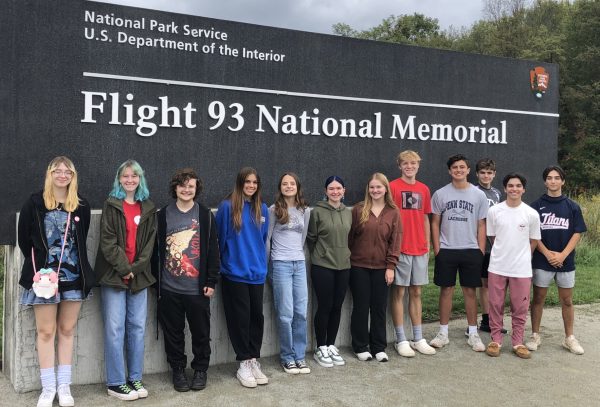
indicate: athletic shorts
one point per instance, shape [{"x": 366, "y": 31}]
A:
[
  {"x": 467, "y": 262},
  {"x": 543, "y": 278},
  {"x": 411, "y": 270},
  {"x": 486, "y": 264}
]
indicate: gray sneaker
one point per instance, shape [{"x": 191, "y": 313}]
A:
[
  {"x": 334, "y": 354},
  {"x": 321, "y": 355}
]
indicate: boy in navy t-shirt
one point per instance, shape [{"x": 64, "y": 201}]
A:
[{"x": 554, "y": 259}]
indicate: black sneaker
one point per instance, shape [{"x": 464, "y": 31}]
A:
[
  {"x": 302, "y": 366},
  {"x": 290, "y": 367},
  {"x": 180, "y": 380},
  {"x": 199, "y": 380},
  {"x": 138, "y": 386},
  {"x": 123, "y": 392}
]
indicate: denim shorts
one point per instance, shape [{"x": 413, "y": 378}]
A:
[{"x": 29, "y": 298}]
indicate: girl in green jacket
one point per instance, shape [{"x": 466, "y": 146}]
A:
[{"x": 327, "y": 240}]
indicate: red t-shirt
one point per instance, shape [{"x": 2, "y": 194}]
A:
[
  {"x": 414, "y": 202},
  {"x": 132, "y": 219}
]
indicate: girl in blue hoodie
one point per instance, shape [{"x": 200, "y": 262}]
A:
[{"x": 242, "y": 221}]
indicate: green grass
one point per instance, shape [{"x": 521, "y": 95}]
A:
[{"x": 587, "y": 290}]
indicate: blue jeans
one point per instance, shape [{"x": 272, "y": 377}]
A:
[
  {"x": 290, "y": 297},
  {"x": 123, "y": 312}
]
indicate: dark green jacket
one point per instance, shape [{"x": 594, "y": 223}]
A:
[
  {"x": 111, "y": 262},
  {"x": 327, "y": 236}
]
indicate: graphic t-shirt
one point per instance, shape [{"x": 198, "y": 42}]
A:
[
  {"x": 54, "y": 223},
  {"x": 512, "y": 228},
  {"x": 493, "y": 196},
  {"x": 414, "y": 202},
  {"x": 560, "y": 218},
  {"x": 132, "y": 220},
  {"x": 459, "y": 210},
  {"x": 182, "y": 257}
]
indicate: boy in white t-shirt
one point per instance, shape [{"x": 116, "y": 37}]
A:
[{"x": 514, "y": 228}]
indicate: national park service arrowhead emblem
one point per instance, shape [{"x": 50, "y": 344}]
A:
[{"x": 540, "y": 80}]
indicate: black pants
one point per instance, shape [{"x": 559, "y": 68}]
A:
[
  {"x": 173, "y": 309},
  {"x": 369, "y": 294},
  {"x": 330, "y": 287},
  {"x": 243, "y": 305}
]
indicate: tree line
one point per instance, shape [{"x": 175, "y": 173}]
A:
[{"x": 561, "y": 32}]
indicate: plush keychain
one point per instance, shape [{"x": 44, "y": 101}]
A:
[{"x": 45, "y": 283}]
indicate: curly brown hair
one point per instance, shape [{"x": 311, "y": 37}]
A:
[{"x": 181, "y": 177}]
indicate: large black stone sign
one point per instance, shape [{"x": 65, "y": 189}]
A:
[{"x": 101, "y": 83}]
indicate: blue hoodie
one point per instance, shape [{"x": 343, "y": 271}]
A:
[{"x": 243, "y": 253}]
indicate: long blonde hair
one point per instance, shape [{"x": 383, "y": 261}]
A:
[
  {"x": 367, "y": 204},
  {"x": 72, "y": 201}
]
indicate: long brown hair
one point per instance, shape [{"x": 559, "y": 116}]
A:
[
  {"x": 281, "y": 207},
  {"x": 368, "y": 202},
  {"x": 237, "y": 198},
  {"x": 72, "y": 201}
]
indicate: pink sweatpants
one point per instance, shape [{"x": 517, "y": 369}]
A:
[{"x": 519, "y": 305}]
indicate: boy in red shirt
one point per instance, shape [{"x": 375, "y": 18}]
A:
[{"x": 414, "y": 202}]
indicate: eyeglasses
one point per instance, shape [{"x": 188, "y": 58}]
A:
[{"x": 60, "y": 173}]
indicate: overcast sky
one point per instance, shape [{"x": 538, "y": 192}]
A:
[{"x": 319, "y": 15}]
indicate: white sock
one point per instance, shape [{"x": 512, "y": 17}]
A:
[
  {"x": 444, "y": 329},
  {"x": 48, "y": 378},
  {"x": 417, "y": 333},
  {"x": 63, "y": 374},
  {"x": 400, "y": 336},
  {"x": 472, "y": 329}
]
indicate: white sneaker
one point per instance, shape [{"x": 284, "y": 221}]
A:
[
  {"x": 422, "y": 347},
  {"x": 403, "y": 348},
  {"x": 534, "y": 342},
  {"x": 321, "y": 355},
  {"x": 46, "y": 398},
  {"x": 364, "y": 356},
  {"x": 260, "y": 377},
  {"x": 244, "y": 374},
  {"x": 475, "y": 343},
  {"x": 64, "y": 396},
  {"x": 440, "y": 340},
  {"x": 381, "y": 357},
  {"x": 334, "y": 354},
  {"x": 572, "y": 344}
]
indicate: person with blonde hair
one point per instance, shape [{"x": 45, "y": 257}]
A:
[
  {"x": 127, "y": 233},
  {"x": 374, "y": 243},
  {"x": 53, "y": 228},
  {"x": 414, "y": 203}
]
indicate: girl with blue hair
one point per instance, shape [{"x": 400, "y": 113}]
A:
[{"x": 127, "y": 234}]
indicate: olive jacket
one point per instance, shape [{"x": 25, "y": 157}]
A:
[{"x": 111, "y": 261}]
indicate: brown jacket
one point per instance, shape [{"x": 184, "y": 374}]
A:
[{"x": 376, "y": 243}]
